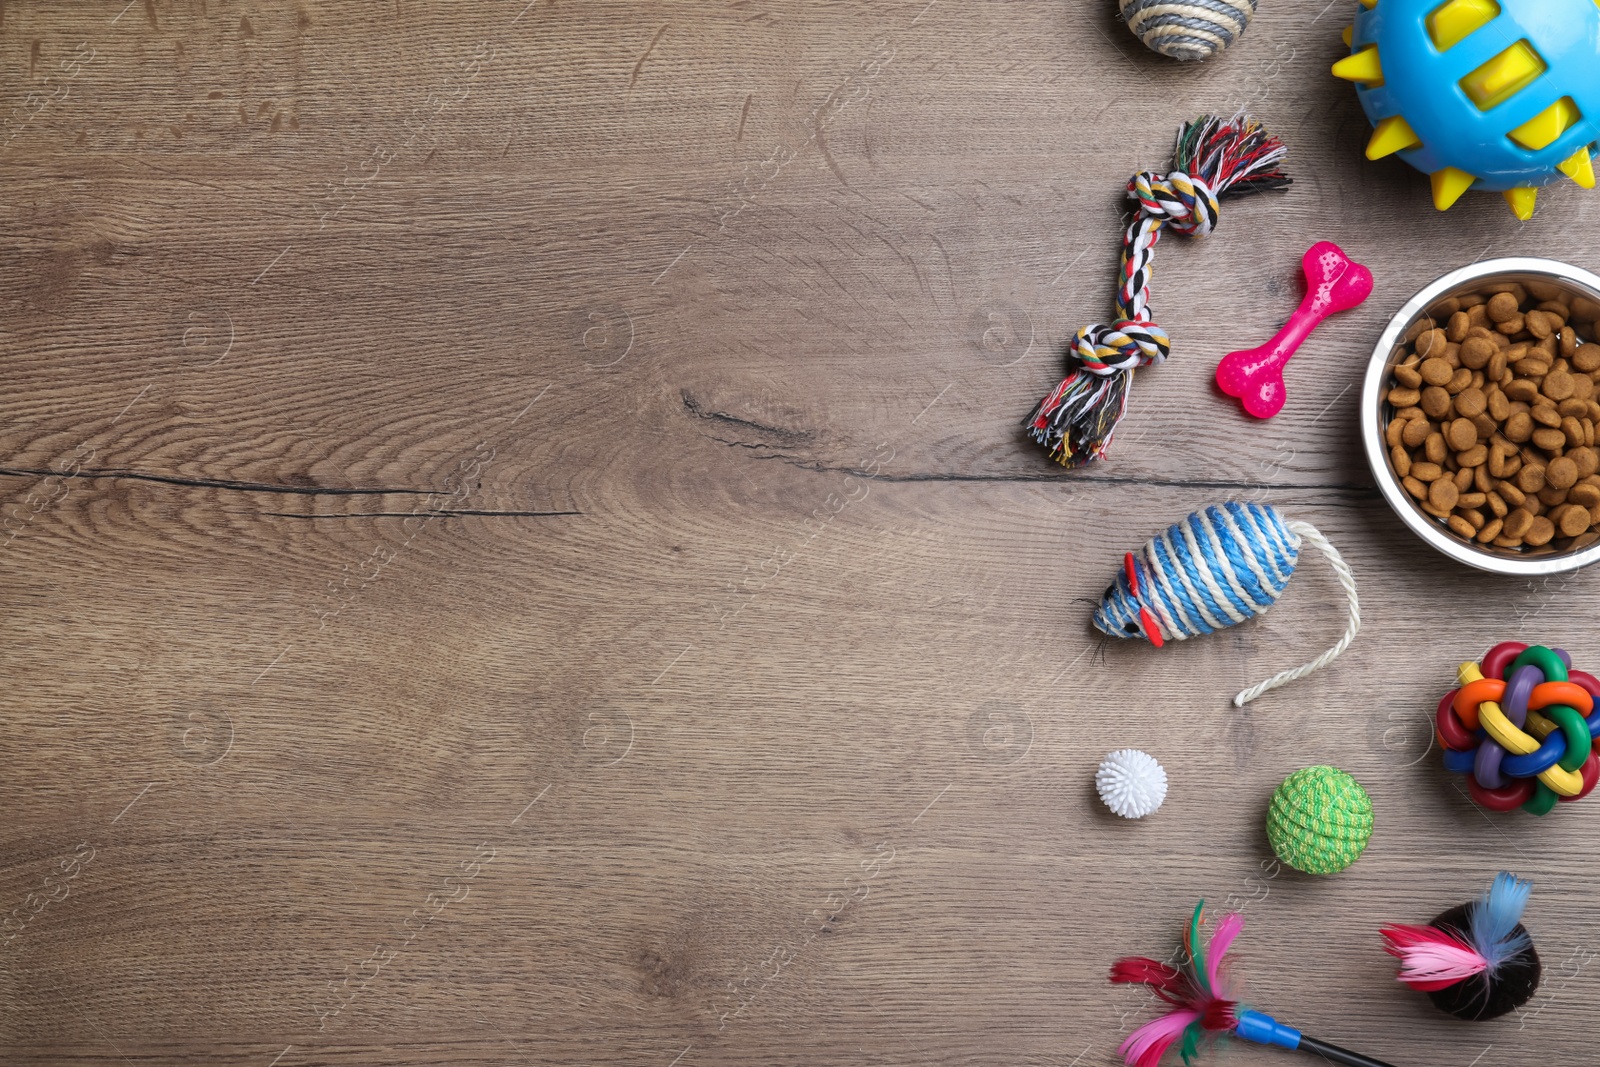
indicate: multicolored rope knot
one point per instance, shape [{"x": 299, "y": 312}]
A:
[
  {"x": 1212, "y": 159},
  {"x": 1521, "y": 727}
]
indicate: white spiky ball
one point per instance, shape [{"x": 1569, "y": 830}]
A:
[{"x": 1131, "y": 783}]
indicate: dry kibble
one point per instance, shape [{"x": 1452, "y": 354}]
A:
[
  {"x": 1585, "y": 495},
  {"x": 1550, "y": 496},
  {"x": 1557, "y": 385},
  {"x": 1574, "y": 521},
  {"x": 1561, "y": 474},
  {"x": 1470, "y": 403},
  {"x": 1522, "y": 389},
  {"x": 1549, "y": 439},
  {"x": 1435, "y": 401},
  {"x": 1436, "y": 371},
  {"x": 1476, "y": 352},
  {"x": 1502, "y": 306},
  {"x": 1517, "y": 523},
  {"x": 1493, "y": 414}
]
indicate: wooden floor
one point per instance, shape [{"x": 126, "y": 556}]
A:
[{"x": 519, "y": 548}]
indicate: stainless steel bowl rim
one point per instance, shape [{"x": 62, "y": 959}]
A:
[{"x": 1375, "y": 387}]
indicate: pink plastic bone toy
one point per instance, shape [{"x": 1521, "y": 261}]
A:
[{"x": 1334, "y": 282}]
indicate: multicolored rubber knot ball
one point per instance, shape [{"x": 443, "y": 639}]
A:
[
  {"x": 1499, "y": 95},
  {"x": 1320, "y": 820},
  {"x": 1521, "y": 727}
]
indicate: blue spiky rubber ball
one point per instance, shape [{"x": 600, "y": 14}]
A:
[{"x": 1498, "y": 95}]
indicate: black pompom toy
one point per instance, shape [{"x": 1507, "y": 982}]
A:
[{"x": 1476, "y": 961}]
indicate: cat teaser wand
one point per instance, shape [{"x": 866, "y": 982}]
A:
[{"x": 1201, "y": 1007}]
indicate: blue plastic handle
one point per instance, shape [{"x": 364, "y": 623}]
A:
[{"x": 1265, "y": 1030}]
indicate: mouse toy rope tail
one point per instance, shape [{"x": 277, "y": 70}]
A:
[
  {"x": 1310, "y": 535},
  {"x": 1213, "y": 159}
]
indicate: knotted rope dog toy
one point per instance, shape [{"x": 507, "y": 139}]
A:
[
  {"x": 1212, "y": 160},
  {"x": 1521, "y": 728},
  {"x": 1214, "y": 569}
]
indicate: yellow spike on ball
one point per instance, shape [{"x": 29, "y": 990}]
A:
[
  {"x": 1522, "y": 200},
  {"x": 1580, "y": 166},
  {"x": 1393, "y": 134},
  {"x": 1448, "y": 185},
  {"x": 1362, "y": 67}
]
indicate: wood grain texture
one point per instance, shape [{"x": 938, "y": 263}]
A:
[{"x": 519, "y": 548}]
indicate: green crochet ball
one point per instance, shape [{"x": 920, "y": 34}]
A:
[{"x": 1320, "y": 820}]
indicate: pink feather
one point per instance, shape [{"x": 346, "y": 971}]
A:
[
  {"x": 1432, "y": 958},
  {"x": 1146, "y": 1045},
  {"x": 1227, "y": 929}
]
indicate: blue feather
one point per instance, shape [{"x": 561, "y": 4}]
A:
[{"x": 1494, "y": 918}]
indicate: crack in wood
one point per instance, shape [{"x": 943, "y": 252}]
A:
[{"x": 210, "y": 483}]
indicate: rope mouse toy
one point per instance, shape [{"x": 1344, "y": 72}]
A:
[
  {"x": 1212, "y": 160},
  {"x": 1217, "y": 568}
]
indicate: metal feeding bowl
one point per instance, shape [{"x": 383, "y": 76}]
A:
[{"x": 1562, "y": 553}]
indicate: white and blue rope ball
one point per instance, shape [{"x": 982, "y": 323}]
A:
[
  {"x": 1216, "y": 568},
  {"x": 1189, "y": 30}
]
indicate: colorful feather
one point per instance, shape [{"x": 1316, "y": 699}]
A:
[
  {"x": 1197, "y": 993},
  {"x": 1495, "y": 917},
  {"x": 1432, "y": 958}
]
